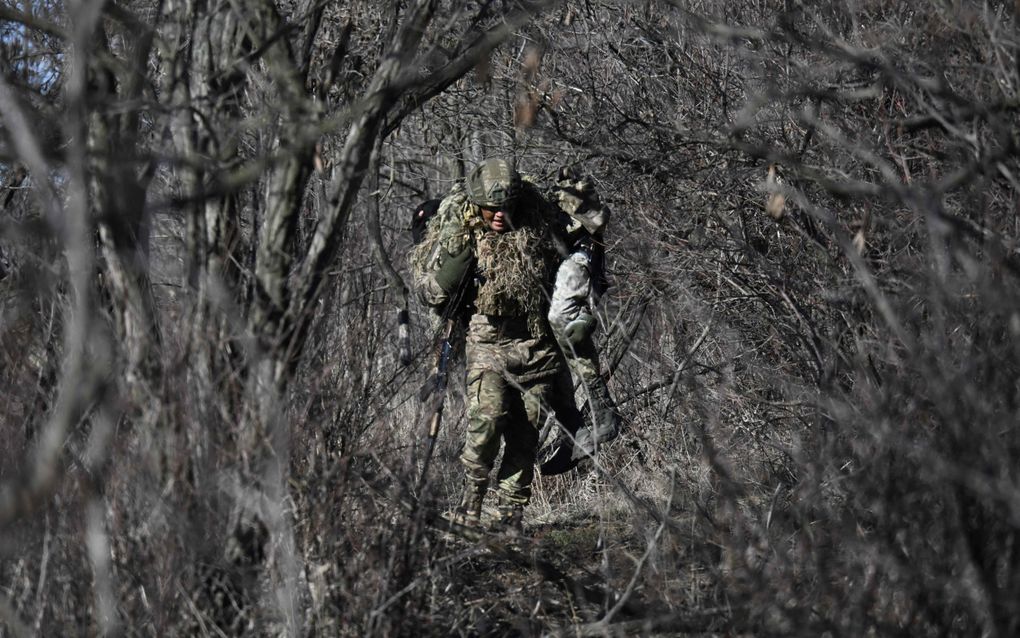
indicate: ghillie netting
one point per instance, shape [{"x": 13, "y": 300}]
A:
[{"x": 516, "y": 266}]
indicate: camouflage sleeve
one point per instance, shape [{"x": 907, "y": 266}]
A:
[
  {"x": 446, "y": 234},
  {"x": 570, "y": 291},
  {"x": 431, "y": 293},
  {"x": 424, "y": 263}
]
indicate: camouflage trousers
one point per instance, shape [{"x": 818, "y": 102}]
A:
[
  {"x": 512, "y": 412},
  {"x": 601, "y": 408}
]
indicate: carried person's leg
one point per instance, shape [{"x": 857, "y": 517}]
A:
[
  {"x": 605, "y": 420},
  {"x": 557, "y": 458},
  {"x": 578, "y": 443}
]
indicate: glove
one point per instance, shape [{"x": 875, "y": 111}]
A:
[
  {"x": 579, "y": 330},
  {"x": 575, "y": 196},
  {"x": 453, "y": 269}
]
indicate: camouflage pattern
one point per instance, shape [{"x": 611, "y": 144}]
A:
[
  {"x": 513, "y": 372},
  {"x": 514, "y": 367},
  {"x": 584, "y": 365},
  {"x": 505, "y": 345},
  {"x": 572, "y": 298},
  {"x": 501, "y": 409},
  {"x": 454, "y": 228},
  {"x": 510, "y": 517},
  {"x": 578, "y": 199},
  {"x": 516, "y": 271},
  {"x": 493, "y": 184},
  {"x": 451, "y": 230},
  {"x": 469, "y": 511}
]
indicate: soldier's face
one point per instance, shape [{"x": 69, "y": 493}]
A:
[{"x": 497, "y": 219}]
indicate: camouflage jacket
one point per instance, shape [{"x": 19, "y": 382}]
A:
[{"x": 507, "y": 307}]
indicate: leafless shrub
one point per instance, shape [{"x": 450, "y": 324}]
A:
[{"x": 811, "y": 329}]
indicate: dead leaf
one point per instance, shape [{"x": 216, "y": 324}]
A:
[
  {"x": 859, "y": 242},
  {"x": 775, "y": 205},
  {"x": 557, "y": 96},
  {"x": 532, "y": 62},
  {"x": 319, "y": 164},
  {"x": 525, "y": 110}
]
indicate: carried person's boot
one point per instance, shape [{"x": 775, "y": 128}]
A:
[
  {"x": 557, "y": 458},
  {"x": 605, "y": 422},
  {"x": 604, "y": 425}
]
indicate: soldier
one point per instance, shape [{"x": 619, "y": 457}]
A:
[
  {"x": 492, "y": 251},
  {"x": 580, "y": 281}
]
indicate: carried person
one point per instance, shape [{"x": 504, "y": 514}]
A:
[{"x": 579, "y": 284}]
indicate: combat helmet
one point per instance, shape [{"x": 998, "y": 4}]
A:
[{"x": 493, "y": 184}]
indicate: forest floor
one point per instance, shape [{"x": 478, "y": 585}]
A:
[{"x": 576, "y": 571}]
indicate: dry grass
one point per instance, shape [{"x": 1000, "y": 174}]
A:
[{"x": 821, "y": 401}]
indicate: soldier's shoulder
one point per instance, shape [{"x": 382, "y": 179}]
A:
[
  {"x": 530, "y": 190},
  {"x": 451, "y": 207},
  {"x": 532, "y": 197},
  {"x": 455, "y": 196},
  {"x": 457, "y": 220}
]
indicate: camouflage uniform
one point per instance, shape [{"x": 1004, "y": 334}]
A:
[
  {"x": 571, "y": 316},
  {"x": 515, "y": 370}
]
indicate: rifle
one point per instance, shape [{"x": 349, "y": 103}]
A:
[{"x": 435, "y": 386}]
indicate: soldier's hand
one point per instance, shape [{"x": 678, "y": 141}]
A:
[
  {"x": 579, "y": 330},
  {"x": 453, "y": 269}
]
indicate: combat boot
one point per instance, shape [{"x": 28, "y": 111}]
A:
[
  {"x": 606, "y": 422},
  {"x": 601, "y": 410},
  {"x": 469, "y": 511},
  {"x": 557, "y": 458},
  {"x": 509, "y": 518}
]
